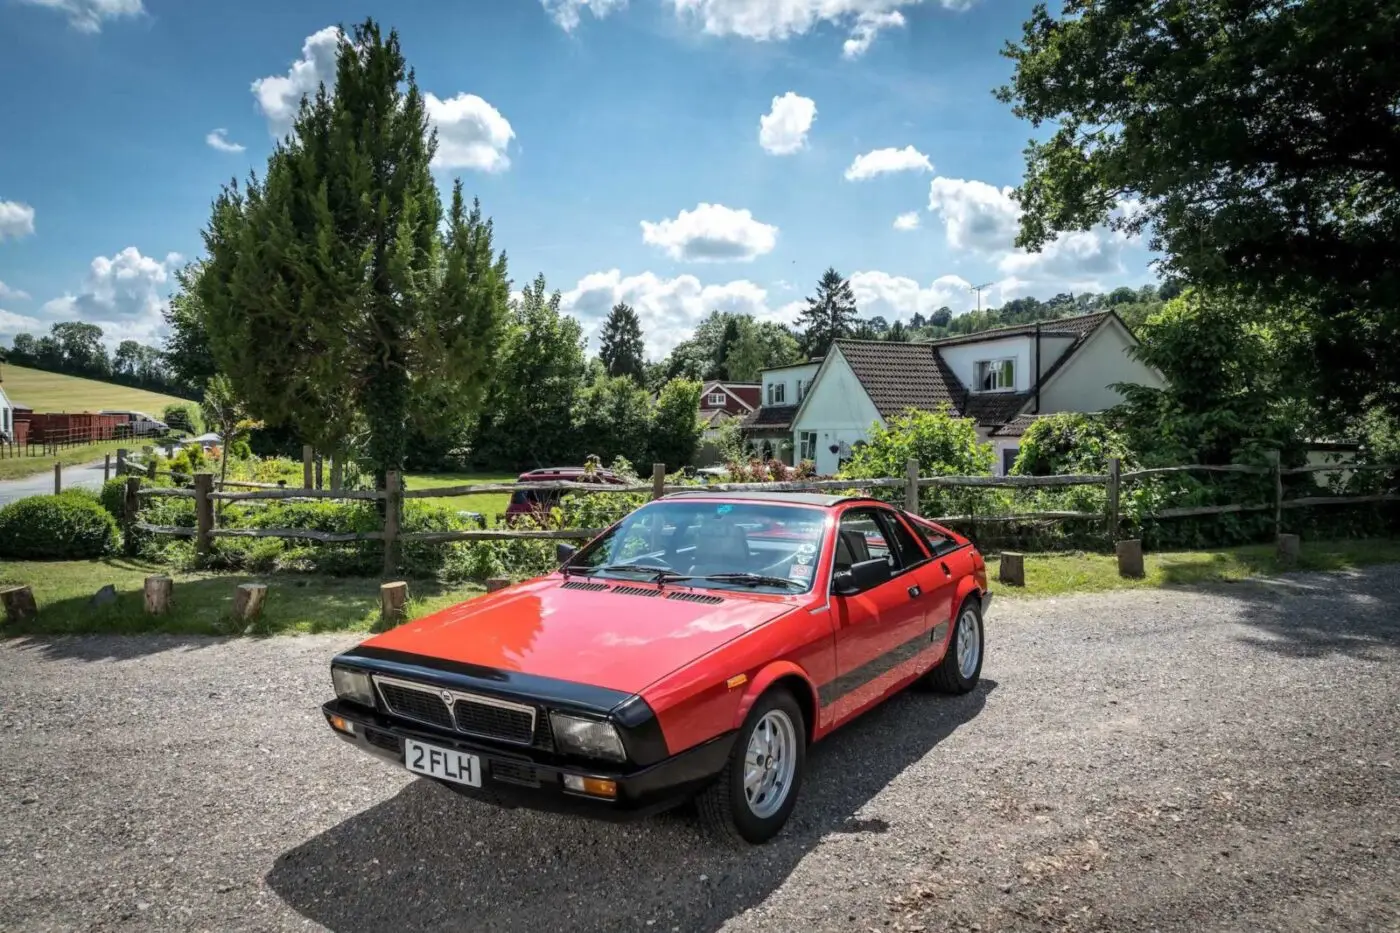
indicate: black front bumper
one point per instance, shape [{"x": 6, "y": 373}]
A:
[{"x": 521, "y": 779}]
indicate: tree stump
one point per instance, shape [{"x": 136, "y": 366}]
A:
[
  {"x": 158, "y": 592},
  {"x": 248, "y": 601},
  {"x": 19, "y": 603},
  {"x": 497, "y": 583},
  {"x": 393, "y": 597},
  {"x": 1012, "y": 569},
  {"x": 1130, "y": 558},
  {"x": 1289, "y": 548}
]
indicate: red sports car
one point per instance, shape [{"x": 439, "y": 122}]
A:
[{"x": 693, "y": 650}]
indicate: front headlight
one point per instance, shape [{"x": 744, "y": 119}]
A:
[
  {"x": 353, "y": 685},
  {"x": 590, "y": 738}
]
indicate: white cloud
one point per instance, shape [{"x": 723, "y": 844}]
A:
[
  {"x": 783, "y": 129},
  {"x": 11, "y": 324},
  {"x": 976, "y": 216},
  {"x": 907, "y": 221},
  {"x": 471, "y": 133},
  {"x": 1080, "y": 257},
  {"x": 669, "y": 309},
  {"x": 14, "y": 294},
  {"x": 897, "y": 297},
  {"x": 566, "y": 12},
  {"x": 711, "y": 233},
  {"x": 88, "y": 15},
  {"x": 279, "y": 96},
  {"x": 126, "y": 295},
  {"x": 16, "y": 220},
  {"x": 884, "y": 161},
  {"x": 218, "y": 139},
  {"x": 867, "y": 27}
]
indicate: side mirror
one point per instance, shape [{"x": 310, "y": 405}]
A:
[
  {"x": 562, "y": 551},
  {"x": 861, "y": 577}
]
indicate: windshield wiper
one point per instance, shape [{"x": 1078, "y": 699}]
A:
[
  {"x": 659, "y": 574},
  {"x": 752, "y": 579}
]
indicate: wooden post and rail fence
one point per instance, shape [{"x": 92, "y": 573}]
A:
[{"x": 394, "y": 495}]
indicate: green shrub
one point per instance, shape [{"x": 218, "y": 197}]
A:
[
  {"x": 113, "y": 496},
  {"x": 183, "y": 417},
  {"x": 1070, "y": 442},
  {"x": 70, "y": 526}
]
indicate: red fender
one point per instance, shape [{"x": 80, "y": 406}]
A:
[
  {"x": 764, "y": 679},
  {"x": 966, "y": 587}
]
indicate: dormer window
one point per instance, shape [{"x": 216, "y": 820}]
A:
[
  {"x": 802, "y": 387},
  {"x": 716, "y": 400},
  {"x": 996, "y": 375},
  {"x": 776, "y": 393}
]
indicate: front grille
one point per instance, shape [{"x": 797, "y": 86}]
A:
[
  {"x": 695, "y": 598},
  {"x": 513, "y": 772},
  {"x": 382, "y": 739},
  {"x": 424, "y": 705},
  {"x": 635, "y": 591},
  {"x": 511, "y": 724}
]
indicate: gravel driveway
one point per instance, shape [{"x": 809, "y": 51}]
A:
[{"x": 1221, "y": 759}]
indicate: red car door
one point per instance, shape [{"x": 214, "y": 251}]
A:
[{"x": 880, "y": 631}]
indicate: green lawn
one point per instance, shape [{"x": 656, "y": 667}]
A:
[
  {"x": 202, "y": 602},
  {"x": 1064, "y": 574},
  {"x": 488, "y": 504},
  {"x": 20, "y": 467},
  {"x": 49, "y": 392}
]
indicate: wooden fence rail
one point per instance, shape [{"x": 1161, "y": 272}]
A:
[{"x": 911, "y": 483}]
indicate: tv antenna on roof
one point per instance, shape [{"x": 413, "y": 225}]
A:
[{"x": 978, "y": 290}]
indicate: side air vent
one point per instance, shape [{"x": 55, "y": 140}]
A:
[
  {"x": 583, "y": 585},
  {"x": 695, "y": 598},
  {"x": 636, "y": 591}
]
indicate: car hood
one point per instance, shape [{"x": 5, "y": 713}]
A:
[{"x": 613, "y": 639}]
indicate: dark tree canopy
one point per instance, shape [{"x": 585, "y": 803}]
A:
[
  {"x": 830, "y": 314},
  {"x": 1257, "y": 142},
  {"x": 620, "y": 345}
]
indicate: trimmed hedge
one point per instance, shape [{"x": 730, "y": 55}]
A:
[{"x": 70, "y": 526}]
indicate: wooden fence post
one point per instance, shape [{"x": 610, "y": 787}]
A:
[
  {"x": 1115, "y": 472},
  {"x": 157, "y": 594},
  {"x": 393, "y": 505},
  {"x": 121, "y": 461},
  {"x": 57, "y": 477},
  {"x": 1130, "y": 558},
  {"x": 132, "y": 502},
  {"x": 319, "y": 472},
  {"x": 1011, "y": 569},
  {"x": 106, "y": 467},
  {"x": 337, "y": 471},
  {"x": 911, "y": 485},
  {"x": 151, "y": 467},
  {"x": 1273, "y": 458},
  {"x": 393, "y": 598},
  {"x": 306, "y": 454},
  {"x": 658, "y": 480},
  {"x": 203, "y": 512}
]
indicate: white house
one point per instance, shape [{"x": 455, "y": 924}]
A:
[
  {"x": 1002, "y": 378},
  {"x": 7, "y": 417}
]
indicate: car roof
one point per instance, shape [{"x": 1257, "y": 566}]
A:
[{"x": 793, "y": 498}]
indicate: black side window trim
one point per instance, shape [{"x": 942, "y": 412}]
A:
[{"x": 885, "y": 517}]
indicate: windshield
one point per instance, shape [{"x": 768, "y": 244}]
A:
[{"x": 728, "y": 545}]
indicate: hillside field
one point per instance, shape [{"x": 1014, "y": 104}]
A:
[{"x": 55, "y": 392}]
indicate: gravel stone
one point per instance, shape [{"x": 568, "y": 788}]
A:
[{"x": 1168, "y": 760}]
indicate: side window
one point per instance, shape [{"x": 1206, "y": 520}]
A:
[
  {"x": 902, "y": 542},
  {"x": 936, "y": 543},
  {"x": 859, "y": 538}
]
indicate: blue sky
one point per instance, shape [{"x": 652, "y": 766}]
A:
[{"x": 681, "y": 155}]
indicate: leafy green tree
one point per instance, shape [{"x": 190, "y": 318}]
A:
[
  {"x": 182, "y": 416},
  {"x": 760, "y": 345},
  {"x": 898, "y": 333},
  {"x": 829, "y": 314},
  {"x": 23, "y": 349},
  {"x": 80, "y": 348},
  {"x": 943, "y": 445},
  {"x": 613, "y": 418},
  {"x": 675, "y": 424},
  {"x": 332, "y": 295},
  {"x": 1070, "y": 442},
  {"x": 187, "y": 352},
  {"x": 227, "y": 416},
  {"x": 1259, "y": 143},
  {"x": 620, "y": 344}
]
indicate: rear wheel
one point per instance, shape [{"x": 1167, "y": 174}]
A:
[
  {"x": 753, "y": 796},
  {"x": 961, "y": 666}
]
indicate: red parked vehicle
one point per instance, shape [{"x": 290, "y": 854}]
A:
[
  {"x": 693, "y": 650},
  {"x": 537, "y": 503}
]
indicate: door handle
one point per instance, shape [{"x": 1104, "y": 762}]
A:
[
  {"x": 915, "y": 592},
  {"x": 946, "y": 571}
]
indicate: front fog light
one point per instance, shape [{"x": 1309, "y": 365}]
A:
[
  {"x": 588, "y": 737},
  {"x": 352, "y": 685}
]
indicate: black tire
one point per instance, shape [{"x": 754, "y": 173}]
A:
[
  {"x": 723, "y": 806},
  {"x": 948, "y": 677}
]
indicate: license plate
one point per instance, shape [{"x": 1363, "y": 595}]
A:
[{"x": 442, "y": 763}]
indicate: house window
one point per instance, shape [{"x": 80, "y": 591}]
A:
[
  {"x": 716, "y": 399},
  {"x": 807, "y": 445},
  {"x": 1008, "y": 459},
  {"x": 802, "y": 387},
  {"x": 776, "y": 391},
  {"x": 996, "y": 375}
]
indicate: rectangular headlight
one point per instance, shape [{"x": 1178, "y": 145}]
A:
[
  {"x": 353, "y": 685},
  {"x": 590, "y": 738}
]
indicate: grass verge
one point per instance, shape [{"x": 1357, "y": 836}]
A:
[
  {"x": 296, "y": 603},
  {"x": 1068, "y": 573},
  {"x": 489, "y": 504},
  {"x": 21, "y": 467}
]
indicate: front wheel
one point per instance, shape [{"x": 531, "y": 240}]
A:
[
  {"x": 961, "y": 666},
  {"x": 753, "y": 796}
]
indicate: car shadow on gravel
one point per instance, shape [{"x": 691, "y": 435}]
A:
[
  {"x": 428, "y": 859},
  {"x": 1315, "y": 615}
]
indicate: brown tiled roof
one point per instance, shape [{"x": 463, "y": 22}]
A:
[
  {"x": 1079, "y": 326},
  {"x": 1016, "y": 426},
  {"x": 770, "y": 416}
]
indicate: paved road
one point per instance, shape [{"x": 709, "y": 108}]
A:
[
  {"x": 40, "y": 484},
  {"x": 1223, "y": 759}
]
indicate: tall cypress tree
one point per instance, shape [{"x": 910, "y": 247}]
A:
[
  {"x": 620, "y": 344},
  {"x": 828, "y": 315},
  {"x": 334, "y": 300}
]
